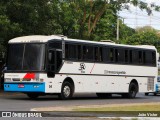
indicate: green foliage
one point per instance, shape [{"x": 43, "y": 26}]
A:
[
  {"x": 143, "y": 38},
  {"x": 81, "y": 19}
]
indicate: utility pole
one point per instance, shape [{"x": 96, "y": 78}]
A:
[{"x": 117, "y": 29}]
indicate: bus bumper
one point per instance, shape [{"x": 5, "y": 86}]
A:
[{"x": 24, "y": 87}]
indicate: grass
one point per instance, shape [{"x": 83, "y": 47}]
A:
[{"x": 145, "y": 107}]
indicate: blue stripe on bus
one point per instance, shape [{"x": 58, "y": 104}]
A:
[{"x": 28, "y": 87}]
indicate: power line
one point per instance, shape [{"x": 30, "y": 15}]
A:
[{"x": 142, "y": 15}]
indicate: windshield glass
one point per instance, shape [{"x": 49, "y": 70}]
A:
[{"x": 26, "y": 57}]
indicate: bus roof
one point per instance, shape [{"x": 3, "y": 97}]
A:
[{"x": 44, "y": 39}]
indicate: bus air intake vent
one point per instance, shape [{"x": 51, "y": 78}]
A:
[{"x": 150, "y": 84}]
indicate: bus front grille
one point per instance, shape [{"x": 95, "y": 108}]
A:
[{"x": 18, "y": 79}]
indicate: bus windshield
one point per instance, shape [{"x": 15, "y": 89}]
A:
[{"x": 28, "y": 57}]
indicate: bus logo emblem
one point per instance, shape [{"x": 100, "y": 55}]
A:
[{"x": 82, "y": 67}]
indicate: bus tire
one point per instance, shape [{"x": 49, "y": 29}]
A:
[
  {"x": 32, "y": 95},
  {"x": 104, "y": 95},
  {"x": 66, "y": 91},
  {"x": 133, "y": 89}
]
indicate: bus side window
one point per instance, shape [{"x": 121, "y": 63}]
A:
[
  {"x": 56, "y": 45},
  {"x": 84, "y": 52},
  {"x": 130, "y": 56},
  {"x": 79, "y": 52},
  {"x": 71, "y": 51},
  {"x": 153, "y": 58},
  {"x": 105, "y": 54},
  {"x": 66, "y": 51},
  {"x": 126, "y": 56},
  {"x": 144, "y": 57},
  {"x": 148, "y": 58},
  {"x": 111, "y": 54},
  {"x": 140, "y": 57},
  {"x": 96, "y": 53},
  {"x": 116, "y": 55},
  {"x": 88, "y": 53},
  {"x": 135, "y": 56},
  {"x": 121, "y": 55},
  {"x": 100, "y": 54}
]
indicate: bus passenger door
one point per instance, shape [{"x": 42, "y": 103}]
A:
[
  {"x": 54, "y": 62},
  {"x": 51, "y": 63}
]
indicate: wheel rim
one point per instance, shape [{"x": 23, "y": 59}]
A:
[{"x": 66, "y": 91}]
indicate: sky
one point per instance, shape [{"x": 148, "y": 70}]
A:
[{"x": 138, "y": 18}]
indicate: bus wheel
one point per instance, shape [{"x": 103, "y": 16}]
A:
[
  {"x": 104, "y": 95},
  {"x": 32, "y": 95},
  {"x": 133, "y": 89},
  {"x": 66, "y": 91}
]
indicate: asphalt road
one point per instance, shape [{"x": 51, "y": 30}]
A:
[{"x": 20, "y": 102}]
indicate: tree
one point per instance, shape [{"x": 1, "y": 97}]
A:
[
  {"x": 83, "y": 19},
  {"x": 145, "y": 29},
  {"x": 125, "y": 31},
  {"x": 144, "y": 38}
]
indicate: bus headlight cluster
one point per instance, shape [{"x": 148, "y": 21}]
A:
[
  {"x": 7, "y": 79},
  {"x": 41, "y": 80},
  {"x": 37, "y": 80}
]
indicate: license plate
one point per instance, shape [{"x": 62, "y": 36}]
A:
[{"x": 20, "y": 85}]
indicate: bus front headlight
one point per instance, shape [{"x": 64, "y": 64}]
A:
[
  {"x": 41, "y": 80},
  {"x": 7, "y": 79}
]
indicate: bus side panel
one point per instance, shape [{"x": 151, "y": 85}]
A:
[{"x": 98, "y": 77}]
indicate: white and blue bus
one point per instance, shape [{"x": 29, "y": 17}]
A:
[{"x": 40, "y": 65}]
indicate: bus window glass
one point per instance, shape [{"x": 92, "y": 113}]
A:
[
  {"x": 79, "y": 52},
  {"x": 26, "y": 57},
  {"x": 126, "y": 56},
  {"x": 100, "y": 54},
  {"x": 66, "y": 51},
  {"x": 58, "y": 59},
  {"x": 15, "y": 56},
  {"x": 154, "y": 58},
  {"x": 130, "y": 56},
  {"x": 55, "y": 45},
  {"x": 105, "y": 54},
  {"x": 140, "y": 57},
  {"x": 88, "y": 53},
  {"x": 71, "y": 51},
  {"x": 121, "y": 55},
  {"x": 111, "y": 54},
  {"x": 135, "y": 59},
  {"x": 96, "y": 54},
  {"x": 148, "y": 57},
  {"x": 116, "y": 55},
  {"x": 33, "y": 57}
]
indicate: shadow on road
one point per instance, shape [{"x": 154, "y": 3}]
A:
[{"x": 82, "y": 97}]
